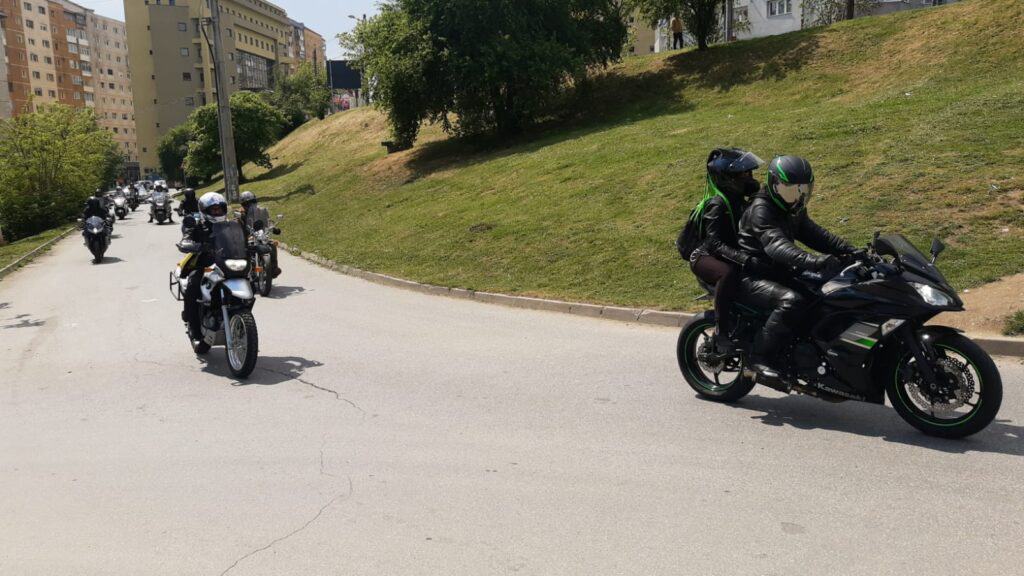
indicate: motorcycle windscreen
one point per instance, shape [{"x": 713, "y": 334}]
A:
[
  {"x": 159, "y": 198},
  {"x": 910, "y": 257},
  {"x": 228, "y": 240},
  {"x": 94, "y": 222}
]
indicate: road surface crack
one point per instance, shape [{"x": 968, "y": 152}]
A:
[
  {"x": 337, "y": 396},
  {"x": 319, "y": 513}
]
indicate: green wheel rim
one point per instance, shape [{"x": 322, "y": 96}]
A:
[{"x": 915, "y": 412}]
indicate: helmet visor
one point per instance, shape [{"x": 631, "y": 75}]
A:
[
  {"x": 795, "y": 194},
  {"x": 217, "y": 211},
  {"x": 748, "y": 162}
]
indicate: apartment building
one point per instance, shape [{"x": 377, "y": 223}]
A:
[
  {"x": 110, "y": 73},
  {"x": 5, "y": 94},
  {"x": 172, "y": 68}
]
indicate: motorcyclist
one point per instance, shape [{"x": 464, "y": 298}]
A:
[
  {"x": 189, "y": 204},
  {"x": 776, "y": 219},
  {"x": 213, "y": 208},
  {"x": 717, "y": 259},
  {"x": 96, "y": 205},
  {"x": 159, "y": 189},
  {"x": 252, "y": 213}
]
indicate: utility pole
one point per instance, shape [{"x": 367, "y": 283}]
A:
[{"x": 227, "y": 135}]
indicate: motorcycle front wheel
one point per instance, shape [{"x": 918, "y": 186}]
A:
[
  {"x": 713, "y": 377},
  {"x": 266, "y": 278},
  {"x": 244, "y": 347},
  {"x": 968, "y": 396}
]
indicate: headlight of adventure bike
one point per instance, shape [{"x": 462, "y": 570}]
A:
[
  {"x": 236, "y": 265},
  {"x": 931, "y": 295}
]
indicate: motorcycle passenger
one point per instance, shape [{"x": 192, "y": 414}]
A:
[
  {"x": 717, "y": 259},
  {"x": 776, "y": 219},
  {"x": 252, "y": 213},
  {"x": 213, "y": 208}
]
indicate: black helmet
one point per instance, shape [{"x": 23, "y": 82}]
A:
[
  {"x": 214, "y": 207},
  {"x": 190, "y": 192},
  {"x": 247, "y": 198},
  {"x": 731, "y": 170},
  {"x": 790, "y": 182}
]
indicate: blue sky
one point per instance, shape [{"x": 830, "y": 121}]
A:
[{"x": 328, "y": 17}]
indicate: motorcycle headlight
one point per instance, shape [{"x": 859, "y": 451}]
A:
[
  {"x": 236, "y": 265},
  {"x": 932, "y": 296}
]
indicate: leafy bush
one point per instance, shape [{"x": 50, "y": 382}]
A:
[
  {"x": 257, "y": 126},
  {"x": 51, "y": 160}
]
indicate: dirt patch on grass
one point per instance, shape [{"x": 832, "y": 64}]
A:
[{"x": 987, "y": 306}]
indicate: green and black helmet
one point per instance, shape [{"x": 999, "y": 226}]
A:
[{"x": 790, "y": 182}]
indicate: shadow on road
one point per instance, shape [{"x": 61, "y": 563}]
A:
[
  {"x": 270, "y": 370},
  {"x": 1001, "y": 437},
  {"x": 110, "y": 260},
  {"x": 282, "y": 292},
  {"x": 23, "y": 321}
]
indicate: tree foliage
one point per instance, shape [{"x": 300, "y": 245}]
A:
[
  {"x": 478, "y": 67},
  {"x": 172, "y": 150},
  {"x": 257, "y": 126},
  {"x": 51, "y": 160},
  {"x": 700, "y": 17},
  {"x": 825, "y": 12},
  {"x": 302, "y": 95}
]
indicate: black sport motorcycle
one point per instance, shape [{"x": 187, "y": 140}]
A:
[
  {"x": 863, "y": 337},
  {"x": 97, "y": 237}
]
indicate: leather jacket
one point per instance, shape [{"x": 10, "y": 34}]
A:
[
  {"x": 768, "y": 231},
  {"x": 720, "y": 222}
]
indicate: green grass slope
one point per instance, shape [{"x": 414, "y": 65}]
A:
[{"x": 914, "y": 122}]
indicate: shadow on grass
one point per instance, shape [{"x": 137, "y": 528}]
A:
[
  {"x": 1001, "y": 437},
  {"x": 617, "y": 97},
  {"x": 278, "y": 171},
  {"x": 305, "y": 189}
]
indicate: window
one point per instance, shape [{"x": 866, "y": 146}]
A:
[
  {"x": 182, "y": 27},
  {"x": 28, "y": 6},
  {"x": 33, "y": 57},
  {"x": 38, "y": 91},
  {"x": 42, "y": 10},
  {"x": 184, "y": 51},
  {"x": 36, "y": 75},
  {"x": 78, "y": 95},
  {"x": 186, "y": 76},
  {"x": 49, "y": 77},
  {"x": 29, "y": 23},
  {"x": 46, "y": 43},
  {"x": 48, "y": 60},
  {"x": 190, "y": 101},
  {"x": 53, "y": 93}
]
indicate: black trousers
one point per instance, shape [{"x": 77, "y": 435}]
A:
[
  {"x": 677, "y": 40},
  {"x": 786, "y": 303},
  {"x": 725, "y": 277}
]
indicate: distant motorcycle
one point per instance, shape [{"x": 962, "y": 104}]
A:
[
  {"x": 226, "y": 297},
  {"x": 97, "y": 237},
  {"x": 133, "y": 198},
  {"x": 262, "y": 269},
  {"x": 160, "y": 207},
  {"x": 120, "y": 206}
]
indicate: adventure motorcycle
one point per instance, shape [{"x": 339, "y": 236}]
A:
[
  {"x": 863, "y": 337},
  {"x": 120, "y": 206},
  {"x": 226, "y": 297},
  {"x": 262, "y": 270},
  {"x": 97, "y": 237},
  {"x": 160, "y": 207}
]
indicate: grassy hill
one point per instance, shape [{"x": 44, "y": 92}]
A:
[{"x": 914, "y": 123}]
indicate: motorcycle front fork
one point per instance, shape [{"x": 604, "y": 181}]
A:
[{"x": 922, "y": 350}]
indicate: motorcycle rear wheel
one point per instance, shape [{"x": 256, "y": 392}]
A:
[
  {"x": 708, "y": 383},
  {"x": 242, "y": 354},
  {"x": 974, "y": 369}
]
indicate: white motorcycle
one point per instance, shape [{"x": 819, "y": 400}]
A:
[{"x": 225, "y": 298}]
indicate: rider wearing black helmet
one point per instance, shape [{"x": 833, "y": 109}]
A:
[
  {"x": 189, "y": 204},
  {"x": 252, "y": 213},
  {"x": 717, "y": 259},
  {"x": 774, "y": 222}
]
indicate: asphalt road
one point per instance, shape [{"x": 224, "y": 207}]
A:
[{"x": 390, "y": 433}]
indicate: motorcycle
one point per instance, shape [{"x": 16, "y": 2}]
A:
[
  {"x": 120, "y": 206},
  {"x": 97, "y": 237},
  {"x": 226, "y": 297},
  {"x": 133, "y": 198},
  {"x": 863, "y": 337},
  {"x": 160, "y": 207},
  {"x": 262, "y": 268}
]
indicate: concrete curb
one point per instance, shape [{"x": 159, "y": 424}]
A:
[
  {"x": 995, "y": 346},
  {"x": 31, "y": 255}
]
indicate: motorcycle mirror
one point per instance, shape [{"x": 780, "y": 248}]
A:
[
  {"x": 937, "y": 248},
  {"x": 277, "y": 231}
]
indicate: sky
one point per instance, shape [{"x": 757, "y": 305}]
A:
[{"x": 327, "y": 17}]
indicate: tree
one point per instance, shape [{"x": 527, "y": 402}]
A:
[
  {"x": 51, "y": 160},
  {"x": 700, "y": 17},
  {"x": 478, "y": 67},
  {"x": 301, "y": 95},
  {"x": 257, "y": 126},
  {"x": 825, "y": 12},
  {"x": 172, "y": 150}
]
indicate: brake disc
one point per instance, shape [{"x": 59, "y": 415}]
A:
[
  {"x": 945, "y": 399},
  {"x": 708, "y": 360}
]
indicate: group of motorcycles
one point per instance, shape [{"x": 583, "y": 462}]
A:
[
  {"x": 97, "y": 231},
  {"x": 242, "y": 266}
]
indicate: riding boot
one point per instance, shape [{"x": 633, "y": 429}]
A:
[{"x": 770, "y": 341}]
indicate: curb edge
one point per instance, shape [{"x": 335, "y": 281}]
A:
[{"x": 23, "y": 260}]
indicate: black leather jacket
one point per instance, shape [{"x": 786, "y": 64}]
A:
[
  {"x": 720, "y": 222},
  {"x": 95, "y": 207},
  {"x": 767, "y": 231}
]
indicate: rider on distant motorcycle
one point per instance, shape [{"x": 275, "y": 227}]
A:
[
  {"x": 769, "y": 229},
  {"x": 213, "y": 208},
  {"x": 252, "y": 213}
]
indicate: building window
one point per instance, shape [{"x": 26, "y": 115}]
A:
[
  {"x": 182, "y": 27},
  {"x": 190, "y": 101},
  {"x": 186, "y": 76},
  {"x": 184, "y": 51},
  {"x": 38, "y": 91}
]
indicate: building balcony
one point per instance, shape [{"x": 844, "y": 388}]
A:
[{"x": 85, "y": 57}]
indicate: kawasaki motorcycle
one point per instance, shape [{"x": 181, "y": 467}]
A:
[
  {"x": 225, "y": 296},
  {"x": 863, "y": 337},
  {"x": 97, "y": 237}
]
